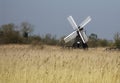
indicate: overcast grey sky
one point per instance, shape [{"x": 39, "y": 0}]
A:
[{"x": 49, "y": 16}]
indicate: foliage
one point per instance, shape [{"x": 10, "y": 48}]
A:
[
  {"x": 117, "y": 40},
  {"x": 93, "y": 40},
  {"x": 103, "y": 42},
  {"x": 9, "y": 34},
  {"x": 49, "y": 40},
  {"x": 26, "y": 27}
]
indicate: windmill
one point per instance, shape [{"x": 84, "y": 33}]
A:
[{"x": 78, "y": 34}]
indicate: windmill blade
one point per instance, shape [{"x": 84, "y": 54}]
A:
[
  {"x": 87, "y": 20},
  {"x": 70, "y": 37},
  {"x": 72, "y": 22},
  {"x": 82, "y": 37}
]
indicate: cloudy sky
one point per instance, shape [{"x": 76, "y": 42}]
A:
[{"x": 50, "y": 16}]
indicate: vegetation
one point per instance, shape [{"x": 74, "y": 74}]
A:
[
  {"x": 23, "y": 64},
  {"x": 13, "y": 34},
  {"x": 37, "y": 62},
  {"x": 117, "y": 40}
]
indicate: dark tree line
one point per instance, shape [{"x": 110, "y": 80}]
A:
[
  {"x": 8, "y": 34},
  {"x": 13, "y": 34}
]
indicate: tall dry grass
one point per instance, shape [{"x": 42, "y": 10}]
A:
[{"x": 26, "y": 64}]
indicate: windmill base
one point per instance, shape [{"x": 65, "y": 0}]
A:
[{"x": 80, "y": 45}]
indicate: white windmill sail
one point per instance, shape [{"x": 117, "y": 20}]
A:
[
  {"x": 70, "y": 37},
  {"x": 87, "y": 20},
  {"x": 72, "y": 22},
  {"x": 84, "y": 36}
]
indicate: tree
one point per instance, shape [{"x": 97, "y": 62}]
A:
[
  {"x": 49, "y": 39},
  {"x": 117, "y": 40},
  {"x": 8, "y": 34},
  {"x": 61, "y": 41},
  {"x": 103, "y": 42},
  {"x": 93, "y": 40},
  {"x": 27, "y": 29}
]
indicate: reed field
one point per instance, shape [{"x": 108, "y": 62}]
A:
[{"x": 52, "y": 64}]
